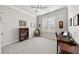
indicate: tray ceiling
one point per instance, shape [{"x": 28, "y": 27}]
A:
[{"x": 29, "y": 9}]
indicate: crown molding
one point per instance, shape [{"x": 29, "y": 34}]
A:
[{"x": 20, "y": 10}]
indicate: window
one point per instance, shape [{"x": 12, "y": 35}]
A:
[
  {"x": 48, "y": 24},
  {"x": 44, "y": 25}
]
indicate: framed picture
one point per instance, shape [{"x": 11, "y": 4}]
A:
[
  {"x": 70, "y": 22},
  {"x": 33, "y": 25},
  {"x": 22, "y": 23},
  {"x": 39, "y": 25},
  {"x": 76, "y": 20},
  {"x": 60, "y": 24},
  {"x": 30, "y": 24}
]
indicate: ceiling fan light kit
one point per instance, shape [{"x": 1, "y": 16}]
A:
[{"x": 38, "y": 7}]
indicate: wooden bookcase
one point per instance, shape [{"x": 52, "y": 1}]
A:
[{"x": 23, "y": 34}]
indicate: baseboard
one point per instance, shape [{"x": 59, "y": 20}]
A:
[
  {"x": 48, "y": 37},
  {"x": 8, "y": 43},
  {"x": 11, "y": 42}
]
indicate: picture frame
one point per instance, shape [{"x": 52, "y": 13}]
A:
[
  {"x": 33, "y": 25},
  {"x": 76, "y": 20},
  {"x": 22, "y": 23},
  {"x": 30, "y": 24},
  {"x": 60, "y": 24},
  {"x": 39, "y": 25},
  {"x": 70, "y": 22}
]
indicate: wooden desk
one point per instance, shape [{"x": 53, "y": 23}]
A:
[{"x": 67, "y": 46}]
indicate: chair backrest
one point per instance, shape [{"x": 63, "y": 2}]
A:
[{"x": 56, "y": 34}]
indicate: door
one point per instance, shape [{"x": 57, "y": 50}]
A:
[{"x": 0, "y": 33}]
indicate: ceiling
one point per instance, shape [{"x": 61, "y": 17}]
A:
[{"x": 27, "y": 8}]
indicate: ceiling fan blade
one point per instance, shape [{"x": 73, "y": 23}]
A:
[{"x": 39, "y": 7}]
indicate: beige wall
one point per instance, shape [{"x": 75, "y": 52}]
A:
[
  {"x": 61, "y": 15},
  {"x": 0, "y": 33},
  {"x": 11, "y": 19},
  {"x": 72, "y": 11}
]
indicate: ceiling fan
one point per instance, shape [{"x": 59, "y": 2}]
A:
[{"x": 38, "y": 7}]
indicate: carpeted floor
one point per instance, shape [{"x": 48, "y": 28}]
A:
[{"x": 36, "y": 45}]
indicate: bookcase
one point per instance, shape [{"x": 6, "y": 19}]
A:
[{"x": 23, "y": 34}]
